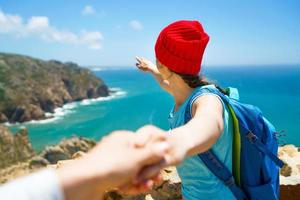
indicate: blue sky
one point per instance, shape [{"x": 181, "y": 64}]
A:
[{"x": 111, "y": 33}]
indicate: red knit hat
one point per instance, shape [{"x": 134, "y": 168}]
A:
[{"x": 180, "y": 46}]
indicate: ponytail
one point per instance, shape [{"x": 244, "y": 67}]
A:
[{"x": 194, "y": 81}]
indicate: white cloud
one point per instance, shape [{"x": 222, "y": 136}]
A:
[
  {"x": 40, "y": 26},
  {"x": 9, "y": 23},
  {"x": 136, "y": 25},
  {"x": 90, "y": 37},
  {"x": 88, "y": 10}
]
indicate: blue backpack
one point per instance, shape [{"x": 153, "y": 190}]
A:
[{"x": 255, "y": 173}]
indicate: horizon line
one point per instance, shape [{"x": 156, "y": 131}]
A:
[{"x": 132, "y": 66}]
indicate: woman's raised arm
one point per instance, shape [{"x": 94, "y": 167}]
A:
[{"x": 147, "y": 66}]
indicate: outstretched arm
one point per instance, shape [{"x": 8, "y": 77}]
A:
[
  {"x": 200, "y": 133},
  {"x": 147, "y": 66}
]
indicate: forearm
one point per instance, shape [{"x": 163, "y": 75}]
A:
[
  {"x": 78, "y": 182},
  {"x": 40, "y": 185},
  {"x": 197, "y": 136},
  {"x": 160, "y": 80}
]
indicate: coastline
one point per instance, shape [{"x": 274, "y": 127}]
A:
[
  {"x": 43, "y": 87},
  {"x": 67, "y": 108}
]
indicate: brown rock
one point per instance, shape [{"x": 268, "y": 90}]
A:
[
  {"x": 38, "y": 162},
  {"x": 170, "y": 188},
  {"x": 14, "y": 148},
  {"x": 286, "y": 170},
  {"x": 36, "y": 112},
  {"x": 289, "y": 149},
  {"x": 78, "y": 154},
  {"x": 66, "y": 148},
  {"x": 54, "y": 153},
  {"x": 3, "y": 118}
]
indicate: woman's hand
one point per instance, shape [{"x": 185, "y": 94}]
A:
[
  {"x": 146, "y": 65},
  {"x": 175, "y": 155}
]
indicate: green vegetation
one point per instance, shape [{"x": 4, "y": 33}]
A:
[{"x": 30, "y": 87}]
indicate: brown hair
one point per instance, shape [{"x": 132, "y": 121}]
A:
[{"x": 197, "y": 81}]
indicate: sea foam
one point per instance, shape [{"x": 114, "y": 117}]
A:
[{"x": 68, "y": 108}]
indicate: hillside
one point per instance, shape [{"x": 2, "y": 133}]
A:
[{"x": 31, "y": 87}]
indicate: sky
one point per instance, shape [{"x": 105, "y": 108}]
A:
[{"x": 112, "y": 33}]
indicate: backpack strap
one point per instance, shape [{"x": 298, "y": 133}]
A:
[
  {"x": 211, "y": 160},
  {"x": 245, "y": 132},
  {"x": 221, "y": 172}
]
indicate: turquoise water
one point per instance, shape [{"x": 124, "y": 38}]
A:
[{"x": 140, "y": 101}]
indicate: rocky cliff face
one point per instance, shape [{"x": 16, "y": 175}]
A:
[
  {"x": 30, "y": 87},
  {"x": 17, "y": 157},
  {"x": 14, "y": 148}
]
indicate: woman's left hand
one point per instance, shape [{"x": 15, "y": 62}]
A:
[{"x": 146, "y": 65}]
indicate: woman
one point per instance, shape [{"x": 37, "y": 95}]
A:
[{"x": 179, "y": 50}]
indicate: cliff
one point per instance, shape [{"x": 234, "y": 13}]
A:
[
  {"x": 17, "y": 157},
  {"x": 14, "y": 148},
  {"x": 31, "y": 87}
]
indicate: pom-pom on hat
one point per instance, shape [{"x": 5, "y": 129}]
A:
[{"x": 180, "y": 46}]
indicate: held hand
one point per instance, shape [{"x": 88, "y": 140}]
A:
[
  {"x": 146, "y": 65},
  {"x": 175, "y": 155},
  {"x": 144, "y": 137},
  {"x": 115, "y": 162}
]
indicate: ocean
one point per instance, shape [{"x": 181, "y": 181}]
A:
[{"x": 138, "y": 100}]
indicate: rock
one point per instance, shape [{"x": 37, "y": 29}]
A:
[
  {"x": 289, "y": 149},
  {"x": 170, "y": 188},
  {"x": 290, "y": 173},
  {"x": 18, "y": 158},
  {"x": 18, "y": 115},
  {"x": 62, "y": 163},
  {"x": 36, "y": 112},
  {"x": 66, "y": 148},
  {"x": 54, "y": 154},
  {"x": 14, "y": 148},
  {"x": 102, "y": 91},
  {"x": 291, "y": 156},
  {"x": 38, "y": 162},
  {"x": 286, "y": 170},
  {"x": 47, "y": 105},
  {"x": 3, "y": 118},
  {"x": 78, "y": 155}
]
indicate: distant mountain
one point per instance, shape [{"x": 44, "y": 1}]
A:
[{"x": 31, "y": 87}]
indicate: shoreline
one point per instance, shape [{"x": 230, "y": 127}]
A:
[{"x": 68, "y": 108}]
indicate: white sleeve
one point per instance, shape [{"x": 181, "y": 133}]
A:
[{"x": 40, "y": 185}]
